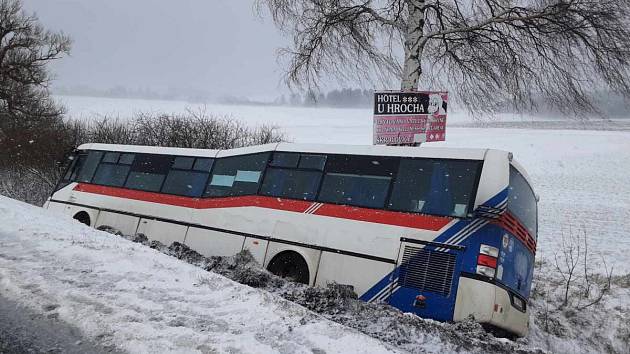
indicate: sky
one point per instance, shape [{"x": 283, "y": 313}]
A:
[{"x": 222, "y": 47}]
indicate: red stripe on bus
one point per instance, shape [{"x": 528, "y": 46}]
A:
[
  {"x": 426, "y": 222},
  {"x": 416, "y": 221}
]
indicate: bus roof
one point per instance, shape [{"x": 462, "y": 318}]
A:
[{"x": 373, "y": 150}]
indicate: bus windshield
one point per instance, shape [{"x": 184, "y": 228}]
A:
[{"x": 522, "y": 201}]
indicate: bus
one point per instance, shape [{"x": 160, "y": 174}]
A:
[{"x": 443, "y": 233}]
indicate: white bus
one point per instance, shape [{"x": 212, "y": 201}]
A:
[{"x": 439, "y": 232}]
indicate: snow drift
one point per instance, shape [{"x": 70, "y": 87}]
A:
[{"x": 140, "y": 300}]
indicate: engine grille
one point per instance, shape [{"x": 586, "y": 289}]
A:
[{"x": 427, "y": 270}]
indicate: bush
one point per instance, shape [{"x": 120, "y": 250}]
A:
[{"x": 33, "y": 162}]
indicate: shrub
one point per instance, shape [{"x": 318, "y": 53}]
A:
[{"x": 32, "y": 163}]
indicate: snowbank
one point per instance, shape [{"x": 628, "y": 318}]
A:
[{"x": 142, "y": 301}]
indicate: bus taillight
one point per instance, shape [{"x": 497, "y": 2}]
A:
[{"x": 487, "y": 261}]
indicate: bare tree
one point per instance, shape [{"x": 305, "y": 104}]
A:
[
  {"x": 30, "y": 121},
  {"x": 25, "y": 50},
  {"x": 485, "y": 51},
  {"x": 590, "y": 288}
]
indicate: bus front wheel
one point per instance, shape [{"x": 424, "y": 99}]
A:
[{"x": 290, "y": 265}]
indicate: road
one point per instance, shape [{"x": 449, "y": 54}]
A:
[{"x": 25, "y": 331}]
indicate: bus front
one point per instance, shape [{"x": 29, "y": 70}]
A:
[
  {"x": 498, "y": 265},
  {"x": 479, "y": 265}
]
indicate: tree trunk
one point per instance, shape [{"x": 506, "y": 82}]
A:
[{"x": 414, "y": 44}]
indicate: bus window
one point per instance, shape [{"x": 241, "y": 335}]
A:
[
  {"x": 292, "y": 184},
  {"x": 126, "y": 159},
  {"x": 522, "y": 201},
  {"x": 111, "y": 157},
  {"x": 357, "y": 180},
  {"x": 186, "y": 183},
  {"x": 315, "y": 162},
  {"x": 183, "y": 163},
  {"x": 89, "y": 166},
  {"x": 238, "y": 175},
  {"x": 109, "y": 174},
  {"x": 188, "y": 176},
  {"x": 148, "y": 172},
  {"x": 203, "y": 164},
  {"x": 75, "y": 166},
  {"x": 438, "y": 187},
  {"x": 285, "y": 159},
  {"x": 358, "y": 190}
]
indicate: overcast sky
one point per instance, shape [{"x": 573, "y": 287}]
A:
[{"x": 217, "y": 46}]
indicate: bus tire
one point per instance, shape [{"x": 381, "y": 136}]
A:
[
  {"x": 83, "y": 218},
  {"x": 290, "y": 265}
]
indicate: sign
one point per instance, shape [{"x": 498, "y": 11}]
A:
[{"x": 408, "y": 118}]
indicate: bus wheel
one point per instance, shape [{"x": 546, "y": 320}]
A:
[
  {"x": 83, "y": 218},
  {"x": 290, "y": 265}
]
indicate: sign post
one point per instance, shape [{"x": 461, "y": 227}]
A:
[{"x": 409, "y": 118}]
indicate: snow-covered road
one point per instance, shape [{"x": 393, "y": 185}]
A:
[
  {"x": 142, "y": 301},
  {"x": 23, "y": 330}
]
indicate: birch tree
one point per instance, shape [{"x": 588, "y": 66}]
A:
[{"x": 487, "y": 52}]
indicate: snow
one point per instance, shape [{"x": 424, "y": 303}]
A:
[{"x": 142, "y": 301}]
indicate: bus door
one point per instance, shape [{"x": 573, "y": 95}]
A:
[{"x": 426, "y": 277}]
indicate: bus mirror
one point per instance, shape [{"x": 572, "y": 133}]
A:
[{"x": 537, "y": 198}]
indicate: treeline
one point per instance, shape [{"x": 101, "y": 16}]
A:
[
  {"x": 33, "y": 159},
  {"x": 343, "y": 98},
  {"x": 145, "y": 93}
]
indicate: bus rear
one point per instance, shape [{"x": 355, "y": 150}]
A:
[{"x": 479, "y": 267}]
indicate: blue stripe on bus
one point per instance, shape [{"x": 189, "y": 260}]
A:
[
  {"x": 497, "y": 199},
  {"x": 402, "y": 298},
  {"x": 381, "y": 285}
]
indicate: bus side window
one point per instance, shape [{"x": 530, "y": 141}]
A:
[
  {"x": 292, "y": 184},
  {"x": 438, "y": 187},
  {"x": 188, "y": 176},
  {"x": 111, "y": 171},
  {"x": 522, "y": 201},
  {"x": 148, "y": 172},
  {"x": 72, "y": 166},
  {"x": 237, "y": 175},
  {"x": 362, "y": 181},
  {"x": 88, "y": 168}
]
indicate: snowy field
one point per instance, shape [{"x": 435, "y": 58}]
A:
[
  {"x": 302, "y": 124},
  {"x": 581, "y": 175}
]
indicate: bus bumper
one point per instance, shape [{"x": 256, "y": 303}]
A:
[{"x": 489, "y": 304}]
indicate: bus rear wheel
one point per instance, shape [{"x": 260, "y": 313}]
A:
[
  {"x": 290, "y": 265},
  {"x": 83, "y": 218}
]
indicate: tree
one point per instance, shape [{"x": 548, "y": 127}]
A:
[
  {"x": 27, "y": 114},
  {"x": 33, "y": 135},
  {"x": 25, "y": 50},
  {"x": 485, "y": 51}
]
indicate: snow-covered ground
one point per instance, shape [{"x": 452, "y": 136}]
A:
[{"x": 142, "y": 301}]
